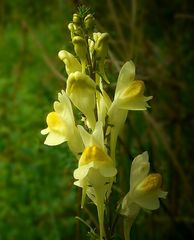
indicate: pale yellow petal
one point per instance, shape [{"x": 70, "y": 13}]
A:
[
  {"x": 136, "y": 103},
  {"x": 75, "y": 142},
  {"x": 86, "y": 137},
  {"x": 108, "y": 171},
  {"x": 149, "y": 201},
  {"x": 64, "y": 108},
  {"x": 81, "y": 171},
  {"x": 45, "y": 131},
  {"x": 140, "y": 168},
  {"x": 78, "y": 183},
  {"x": 96, "y": 138},
  {"x": 81, "y": 90},
  {"x": 117, "y": 116},
  {"x": 128, "y": 207},
  {"x": 126, "y": 76},
  {"x": 98, "y": 135},
  {"x": 162, "y": 194},
  {"x": 54, "y": 139},
  {"x": 71, "y": 63}
]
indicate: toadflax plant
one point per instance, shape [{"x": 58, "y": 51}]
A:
[{"x": 93, "y": 142}]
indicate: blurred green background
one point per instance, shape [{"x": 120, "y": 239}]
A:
[{"x": 37, "y": 196}]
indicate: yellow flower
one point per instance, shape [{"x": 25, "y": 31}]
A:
[
  {"x": 61, "y": 125},
  {"x": 81, "y": 90},
  {"x": 71, "y": 63},
  {"x": 129, "y": 95},
  {"x": 145, "y": 189},
  {"x": 95, "y": 174},
  {"x": 56, "y": 129}
]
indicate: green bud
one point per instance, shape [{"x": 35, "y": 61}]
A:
[
  {"x": 80, "y": 47},
  {"x": 75, "y": 30},
  {"x": 100, "y": 52},
  {"x": 89, "y": 22},
  {"x": 76, "y": 19},
  {"x": 101, "y": 46},
  {"x": 71, "y": 27}
]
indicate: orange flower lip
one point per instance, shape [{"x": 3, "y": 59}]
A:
[{"x": 150, "y": 183}]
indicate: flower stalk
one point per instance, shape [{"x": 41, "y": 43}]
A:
[{"x": 92, "y": 138}]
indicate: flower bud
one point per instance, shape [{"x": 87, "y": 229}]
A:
[
  {"x": 75, "y": 30},
  {"x": 80, "y": 44},
  {"x": 80, "y": 47},
  {"x": 81, "y": 90},
  {"x": 89, "y": 22},
  {"x": 71, "y": 27},
  {"x": 76, "y": 19},
  {"x": 71, "y": 63},
  {"x": 101, "y": 50},
  {"x": 101, "y": 46},
  {"x": 79, "y": 82}
]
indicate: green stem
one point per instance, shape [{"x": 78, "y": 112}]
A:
[
  {"x": 89, "y": 60},
  {"x": 127, "y": 227},
  {"x": 113, "y": 142}
]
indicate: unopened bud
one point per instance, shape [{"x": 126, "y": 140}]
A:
[
  {"x": 101, "y": 46},
  {"x": 80, "y": 47},
  {"x": 75, "y": 30},
  {"x": 89, "y": 22},
  {"x": 76, "y": 19},
  {"x": 79, "y": 81},
  {"x": 71, "y": 63},
  {"x": 71, "y": 27},
  {"x": 81, "y": 90}
]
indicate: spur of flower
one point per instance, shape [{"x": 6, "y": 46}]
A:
[
  {"x": 61, "y": 125},
  {"x": 95, "y": 175}
]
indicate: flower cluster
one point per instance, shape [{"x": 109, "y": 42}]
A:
[{"x": 100, "y": 117}]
